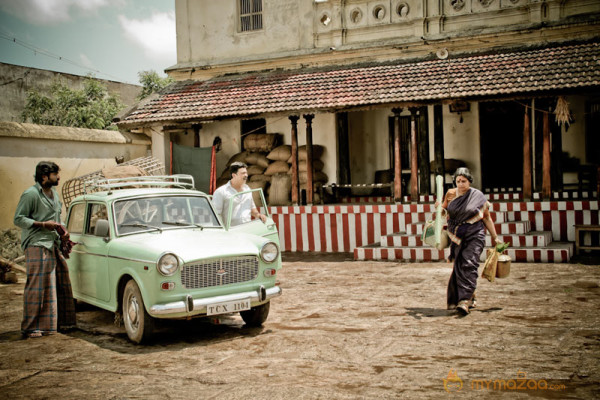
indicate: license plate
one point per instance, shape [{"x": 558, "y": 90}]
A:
[{"x": 228, "y": 307}]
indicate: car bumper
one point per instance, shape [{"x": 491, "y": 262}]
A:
[{"x": 192, "y": 306}]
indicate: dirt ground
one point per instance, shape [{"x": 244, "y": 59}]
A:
[{"x": 341, "y": 330}]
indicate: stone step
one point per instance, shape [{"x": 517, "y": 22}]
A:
[
  {"x": 502, "y": 196},
  {"x": 555, "y": 252},
  {"x": 503, "y": 228},
  {"x": 497, "y": 216},
  {"x": 531, "y": 239}
]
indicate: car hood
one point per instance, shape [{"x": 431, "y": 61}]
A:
[{"x": 188, "y": 244}]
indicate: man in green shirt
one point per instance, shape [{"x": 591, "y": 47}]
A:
[{"x": 48, "y": 303}]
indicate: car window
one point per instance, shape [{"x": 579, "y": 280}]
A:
[
  {"x": 166, "y": 212},
  {"x": 97, "y": 211},
  {"x": 76, "y": 220}
]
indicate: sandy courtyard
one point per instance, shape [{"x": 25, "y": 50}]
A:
[{"x": 341, "y": 330}]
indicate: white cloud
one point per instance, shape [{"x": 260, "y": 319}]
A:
[
  {"x": 156, "y": 35},
  {"x": 86, "y": 61},
  {"x": 48, "y": 12}
]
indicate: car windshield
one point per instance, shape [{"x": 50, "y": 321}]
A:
[{"x": 163, "y": 212}]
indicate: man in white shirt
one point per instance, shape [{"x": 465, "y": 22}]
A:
[{"x": 243, "y": 206}]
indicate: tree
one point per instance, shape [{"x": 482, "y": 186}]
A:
[
  {"x": 90, "y": 107},
  {"x": 152, "y": 83}
]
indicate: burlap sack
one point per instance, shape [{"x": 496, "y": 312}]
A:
[
  {"x": 281, "y": 153},
  {"x": 123, "y": 171},
  {"x": 279, "y": 192},
  {"x": 317, "y": 166},
  {"x": 277, "y": 167},
  {"x": 259, "y": 159},
  {"x": 255, "y": 170},
  {"x": 316, "y": 154},
  {"x": 318, "y": 176},
  {"x": 241, "y": 157},
  {"x": 260, "y": 178},
  {"x": 256, "y": 195},
  {"x": 260, "y": 142},
  {"x": 225, "y": 174}
]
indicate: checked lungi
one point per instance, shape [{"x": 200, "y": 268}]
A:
[{"x": 48, "y": 302}]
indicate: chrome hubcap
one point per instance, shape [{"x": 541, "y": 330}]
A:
[{"x": 133, "y": 311}]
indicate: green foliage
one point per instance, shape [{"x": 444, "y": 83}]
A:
[
  {"x": 152, "y": 83},
  {"x": 501, "y": 247},
  {"x": 90, "y": 107}
]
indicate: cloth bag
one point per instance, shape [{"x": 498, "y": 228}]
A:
[
  {"x": 428, "y": 236},
  {"x": 490, "y": 266}
]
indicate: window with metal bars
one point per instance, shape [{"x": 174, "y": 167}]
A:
[{"x": 250, "y": 15}]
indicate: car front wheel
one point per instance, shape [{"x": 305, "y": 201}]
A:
[
  {"x": 138, "y": 324},
  {"x": 256, "y": 315}
]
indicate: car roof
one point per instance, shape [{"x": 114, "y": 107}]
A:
[{"x": 111, "y": 195}]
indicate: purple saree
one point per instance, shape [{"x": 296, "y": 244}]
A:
[{"x": 467, "y": 233}]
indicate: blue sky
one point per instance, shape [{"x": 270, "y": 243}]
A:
[{"x": 112, "y": 39}]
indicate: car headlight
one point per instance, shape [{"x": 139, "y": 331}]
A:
[
  {"x": 168, "y": 264},
  {"x": 269, "y": 252}
]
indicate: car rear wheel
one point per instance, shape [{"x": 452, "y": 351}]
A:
[
  {"x": 138, "y": 324},
  {"x": 256, "y": 315}
]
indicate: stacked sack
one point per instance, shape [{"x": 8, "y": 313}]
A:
[
  {"x": 278, "y": 171},
  {"x": 257, "y": 146},
  {"x": 271, "y": 170},
  {"x": 319, "y": 177}
]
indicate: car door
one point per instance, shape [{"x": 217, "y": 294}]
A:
[
  {"x": 76, "y": 226},
  {"x": 255, "y": 226},
  {"x": 93, "y": 261}
]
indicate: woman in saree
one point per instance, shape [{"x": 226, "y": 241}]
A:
[{"x": 468, "y": 217}]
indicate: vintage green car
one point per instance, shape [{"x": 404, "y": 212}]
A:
[{"x": 153, "y": 247}]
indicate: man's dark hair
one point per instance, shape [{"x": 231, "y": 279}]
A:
[
  {"x": 462, "y": 171},
  {"x": 45, "y": 168},
  {"x": 234, "y": 167}
]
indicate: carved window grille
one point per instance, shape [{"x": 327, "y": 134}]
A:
[{"x": 251, "y": 15}]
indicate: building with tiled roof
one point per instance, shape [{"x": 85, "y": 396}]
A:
[{"x": 445, "y": 80}]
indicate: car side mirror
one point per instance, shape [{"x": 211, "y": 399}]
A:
[{"x": 102, "y": 228}]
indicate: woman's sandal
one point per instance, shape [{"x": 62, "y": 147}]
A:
[
  {"x": 34, "y": 334},
  {"x": 463, "y": 307}
]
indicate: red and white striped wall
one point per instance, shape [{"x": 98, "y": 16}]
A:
[
  {"x": 560, "y": 255},
  {"x": 342, "y": 228}
]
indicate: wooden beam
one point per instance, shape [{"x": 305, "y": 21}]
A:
[
  {"x": 526, "y": 157},
  {"x": 397, "y": 165},
  {"x": 438, "y": 141},
  {"x": 309, "y": 158},
  {"x": 294, "y": 134},
  {"x": 546, "y": 182},
  {"x": 343, "y": 152},
  {"x": 414, "y": 164},
  {"x": 197, "y": 135}
]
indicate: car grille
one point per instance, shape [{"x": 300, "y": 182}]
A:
[{"x": 219, "y": 272}]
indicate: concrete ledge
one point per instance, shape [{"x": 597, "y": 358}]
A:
[{"x": 34, "y": 131}]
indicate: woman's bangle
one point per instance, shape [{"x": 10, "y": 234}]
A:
[{"x": 44, "y": 224}]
